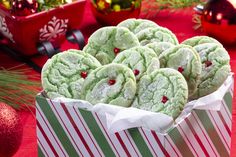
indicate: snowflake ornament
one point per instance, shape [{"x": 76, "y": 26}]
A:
[
  {"x": 4, "y": 29},
  {"x": 52, "y": 30}
]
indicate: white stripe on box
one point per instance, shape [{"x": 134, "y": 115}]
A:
[
  {"x": 91, "y": 137},
  {"x": 132, "y": 143},
  {"x": 50, "y": 133},
  {"x": 44, "y": 143},
  {"x": 226, "y": 109},
  {"x": 205, "y": 134},
  {"x": 153, "y": 142},
  {"x": 42, "y": 147},
  {"x": 133, "y": 152},
  {"x": 105, "y": 133},
  {"x": 70, "y": 137},
  {"x": 204, "y": 138},
  {"x": 71, "y": 130},
  {"x": 187, "y": 140},
  {"x": 149, "y": 144},
  {"x": 227, "y": 117},
  {"x": 84, "y": 132},
  {"x": 220, "y": 129},
  {"x": 171, "y": 147}
]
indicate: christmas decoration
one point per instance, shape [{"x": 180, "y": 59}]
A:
[
  {"x": 11, "y": 131},
  {"x": 150, "y": 8},
  {"x": 220, "y": 22},
  {"x": 24, "y": 7},
  {"x": 6, "y": 3},
  {"x": 111, "y": 12},
  {"x": 48, "y": 4},
  {"x": 18, "y": 87},
  {"x": 4, "y": 29}
]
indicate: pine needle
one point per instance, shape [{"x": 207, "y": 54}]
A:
[{"x": 18, "y": 87}]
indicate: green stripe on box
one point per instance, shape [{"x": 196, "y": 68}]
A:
[
  {"x": 58, "y": 129},
  {"x": 228, "y": 100},
  {"x": 207, "y": 124},
  {"x": 179, "y": 142},
  {"x": 40, "y": 152},
  {"x": 97, "y": 133},
  {"x": 140, "y": 142}
]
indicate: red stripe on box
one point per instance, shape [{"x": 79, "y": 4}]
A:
[
  {"x": 50, "y": 131},
  {"x": 122, "y": 144},
  {"x": 204, "y": 134},
  {"x": 87, "y": 131},
  {"x": 188, "y": 140},
  {"x": 46, "y": 138},
  {"x": 148, "y": 141},
  {"x": 107, "y": 134},
  {"x": 172, "y": 146},
  {"x": 225, "y": 124},
  {"x": 77, "y": 129},
  {"x": 226, "y": 110},
  {"x": 131, "y": 143},
  {"x": 160, "y": 144},
  {"x": 196, "y": 137},
  {"x": 43, "y": 147},
  {"x": 67, "y": 130},
  {"x": 219, "y": 129}
]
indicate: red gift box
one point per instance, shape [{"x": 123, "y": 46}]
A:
[{"x": 24, "y": 33}]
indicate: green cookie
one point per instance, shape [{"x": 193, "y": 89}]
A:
[
  {"x": 215, "y": 68},
  {"x": 187, "y": 61},
  {"x": 159, "y": 47},
  {"x": 158, "y": 34},
  {"x": 112, "y": 84},
  {"x": 63, "y": 75},
  {"x": 137, "y": 25},
  {"x": 140, "y": 59},
  {"x": 107, "y": 42},
  {"x": 200, "y": 40},
  {"x": 165, "y": 90}
]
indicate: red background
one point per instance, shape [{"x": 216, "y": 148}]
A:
[{"x": 179, "y": 22}]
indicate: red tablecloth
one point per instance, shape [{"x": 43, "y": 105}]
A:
[{"x": 179, "y": 22}]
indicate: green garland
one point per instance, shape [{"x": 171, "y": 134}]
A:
[{"x": 18, "y": 87}]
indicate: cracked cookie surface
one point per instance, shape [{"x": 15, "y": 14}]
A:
[
  {"x": 105, "y": 43},
  {"x": 137, "y": 25},
  {"x": 63, "y": 75},
  {"x": 111, "y": 84},
  {"x": 187, "y": 61},
  {"x": 164, "y": 90},
  {"x": 140, "y": 60},
  {"x": 215, "y": 68},
  {"x": 158, "y": 34},
  {"x": 159, "y": 47},
  {"x": 194, "y": 41}
]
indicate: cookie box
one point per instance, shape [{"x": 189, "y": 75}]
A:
[
  {"x": 67, "y": 127},
  {"x": 25, "y": 32}
]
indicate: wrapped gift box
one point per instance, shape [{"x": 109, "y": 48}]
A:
[
  {"x": 68, "y": 127},
  {"x": 25, "y": 32}
]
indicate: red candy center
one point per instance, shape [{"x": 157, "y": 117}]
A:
[
  {"x": 136, "y": 72},
  {"x": 116, "y": 50},
  {"x": 208, "y": 63},
  {"x": 180, "y": 69},
  {"x": 111, "y": 82},
  {"x": 164, "y": 99},
  {"x": 83, "y": 74}
]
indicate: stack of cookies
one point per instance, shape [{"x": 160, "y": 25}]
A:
[{"x": 138, "y": 64}]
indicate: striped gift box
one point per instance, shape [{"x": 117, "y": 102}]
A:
[{"x": 64, "y": 129}]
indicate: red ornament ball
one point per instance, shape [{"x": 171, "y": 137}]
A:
[
  {"x": 218, "y": 20},
  {"x": 24, "y": 7},
  {"x": 11, "y": 131}
]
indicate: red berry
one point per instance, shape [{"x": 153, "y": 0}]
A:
[
  {"x": 111, "y": 82},
  {"x": 208, "y": 63},
  {"x": 136, "y": 72},
  {"x": 164, "y": 99},
  {"x": 116, "y": 50},
  {"x": 83, "y": 74},
  {"x": 180, "y": 69}
]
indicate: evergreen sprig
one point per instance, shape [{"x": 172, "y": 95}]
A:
[{"x": 18, "y": 87}]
